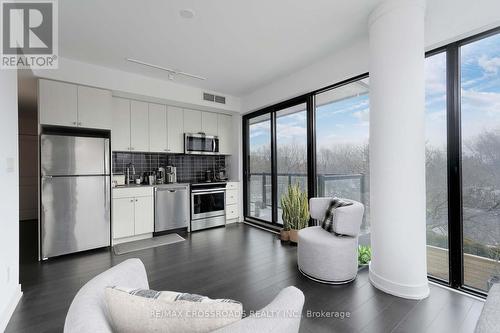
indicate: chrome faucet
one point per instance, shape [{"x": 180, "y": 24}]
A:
[{"x": 127, "y": 173}]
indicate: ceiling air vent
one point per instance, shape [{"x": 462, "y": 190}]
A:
[{"x": 214, "y": 98}]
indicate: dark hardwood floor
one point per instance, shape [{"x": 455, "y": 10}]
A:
[{"x": 239, "y": 262}]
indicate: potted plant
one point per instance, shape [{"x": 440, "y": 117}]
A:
[
  {"x": 295, "y": 209},
  {"x": 285, "y": 231},
  {"x": 364, "y": 256}
]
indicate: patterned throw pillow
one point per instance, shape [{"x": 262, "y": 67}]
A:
[
  {"x": 328, "y": 220},
  {"x": 142, "y": 310}
]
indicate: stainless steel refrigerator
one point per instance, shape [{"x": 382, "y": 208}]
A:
[{"x": 75, "y": 194}]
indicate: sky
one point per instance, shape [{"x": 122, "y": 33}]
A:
[{"x": 346, "y": 121}]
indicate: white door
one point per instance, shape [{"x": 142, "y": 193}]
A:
[
  {"x": 123, "y": 217},
  {"x": 120, "y": 131},
  {"x": 144, "y": 218},
  {"x": 57, "y": 103},
  {"x": 225, "y": 130},
  {"x": 157, "y": 128},
  {"x": 94, "y": 108},
  {"x": 175, "y": 130},
  {"x": 209, "y": 123},
  {"x": 139, "y": 126},
  {"x": 192, "y": 121}
]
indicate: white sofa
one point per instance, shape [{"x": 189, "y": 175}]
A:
[
  {"x": 88, "y": 311},
  {"x": 326, "y": 257},
  {"x": 489, "y": 320}
]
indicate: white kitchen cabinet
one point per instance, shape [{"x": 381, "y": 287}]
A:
[
  {"x": 232, "y": 202},
  {"x": 133, "y": 212},
  {"x": 209, "y": 123},
  {"x": 225, "y": 133},
  {"x": 123, "y": 217},
  {"x": 139, "y": 126},
  {"x": 57, "y": 103},
  {"x": 175, "y": 130},
  {"x": 192, "y": 121},
  {"x": 157, "y": 128},
  {"x": 94, "y": 108},
  {"x": 144, "y": 215},
  {"x": 120, "y": 131}
]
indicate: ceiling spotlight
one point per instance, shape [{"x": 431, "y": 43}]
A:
[{"x": 186, "y": 13}]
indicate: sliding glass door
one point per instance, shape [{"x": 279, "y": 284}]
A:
[
  {"x": 259, "y": 185},
  {"x": 291, "y": 150}
]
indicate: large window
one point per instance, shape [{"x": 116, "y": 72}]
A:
[
  {"x": 436, "y": 166},
  {"x": 342, "y": 133},
  {"x": 480, "y": 127},
  {"x": 320, "y": 140}
]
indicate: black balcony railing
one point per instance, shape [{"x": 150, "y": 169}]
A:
[{"x": 350, "y": 186}]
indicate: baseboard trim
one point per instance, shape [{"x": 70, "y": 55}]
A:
[
  {"x": 4, "y": 320},
  {"x": 416, "y": 292}
]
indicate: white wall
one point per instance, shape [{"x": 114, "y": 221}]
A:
[
  {"x": 130, "y": 84},
  {"x": 446, "y": 21},
  {"x": 10, "y": 290}
]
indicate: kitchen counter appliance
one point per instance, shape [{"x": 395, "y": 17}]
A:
[
  {"x": 75, "y": 194},
  {"x": 171, "y": 209},
  {"x": 201, "y": 144},
  {"x": 208, "y": 205}
]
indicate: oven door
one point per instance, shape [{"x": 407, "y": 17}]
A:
[
  {"x": 207, "y": 203},
  {"x": 201, "y": 144}
]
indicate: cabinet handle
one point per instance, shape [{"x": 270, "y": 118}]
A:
[
  {"x": 136, "y": 200},
  {"x": 74, "y": 123},
  {"x": 79, "y": 124},
  {"x": 131, "y": 200}
]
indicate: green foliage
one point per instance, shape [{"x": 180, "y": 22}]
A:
[
  {"x": 295, "y": 208},
  {"x": 364, "y": 255}
]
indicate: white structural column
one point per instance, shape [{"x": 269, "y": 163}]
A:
[{"x": 397, "y": 149}]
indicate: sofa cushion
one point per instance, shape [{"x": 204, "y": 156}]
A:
[{"x": 140, "y": 310}]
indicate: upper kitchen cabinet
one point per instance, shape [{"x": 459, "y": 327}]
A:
[
  {"x": 225, "y": 130},
  {"x": 66, "y": 104},
  {"x": 139, "y": 126},
  {"x": 94, "y": 108},
  {"x": 175, "y": 129},
  {"x": 57, "y": 103},
  {"x": 120, "y": 132},
  {"x": 157, "y": 128},
  {"x": 209, "y": 123},
  {"x": 192, "y": 121}
]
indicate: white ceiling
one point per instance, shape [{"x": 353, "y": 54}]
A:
[{"x": 238, "y": 45}]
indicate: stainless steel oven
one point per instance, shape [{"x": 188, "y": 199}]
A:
[
  {"x": 201, "y": 144},
  {"x": 208, "y": 205}
]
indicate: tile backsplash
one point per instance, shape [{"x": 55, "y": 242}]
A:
[{"x": 190, "y": 168}]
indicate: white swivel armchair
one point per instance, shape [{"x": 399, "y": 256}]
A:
[{"x": 331, "y": 257}]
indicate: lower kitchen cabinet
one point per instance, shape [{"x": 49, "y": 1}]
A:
[
  {"x": 123, "y": 217},
  {"x": 232, "y": 211},
  {"x": 144, "y": 215},
  {"x": 132, "y": 212}
]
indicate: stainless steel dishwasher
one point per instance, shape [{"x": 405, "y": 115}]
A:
[{"x": 171, "y": 207}]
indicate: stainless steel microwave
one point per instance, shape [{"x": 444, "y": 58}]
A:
[{"x": 201, "y": 144}]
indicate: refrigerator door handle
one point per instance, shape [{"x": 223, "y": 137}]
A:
[{"x": 106, "y": 157}]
